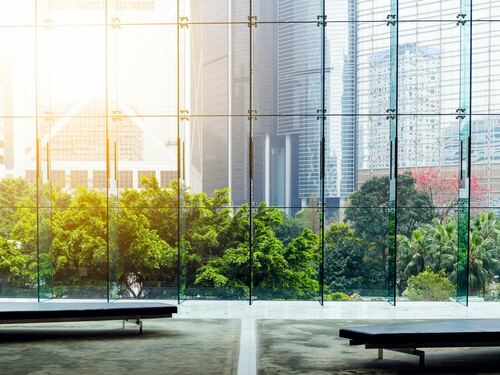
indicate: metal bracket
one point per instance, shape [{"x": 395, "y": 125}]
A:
[
  {"x": 115, "y": 23},
  {"x": 321, "y": 114},
  {"x": 252, "y": 114},
  {"x": 391, "y": 114},
  {"x": 252, "y": 21},
  {"x": 322, "y": 20},
  {"x": 391, "y": 20},
  {"x": 49, "y": 116},
  {"x": 116, "y": 115},
  {"x": 461, "y": 113},
  {"x": 461, "y": 19},
  {"x": 48, "y": 23},
  {"x": 184, "y": 22},
  {"x": 184, "y": 115}
]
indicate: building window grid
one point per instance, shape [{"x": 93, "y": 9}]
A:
[{"x": 375, "y": 12}]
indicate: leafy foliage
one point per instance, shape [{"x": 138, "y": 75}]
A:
[
  {"x": 351, "y": 263},
  {"x": 429, "y": 286},
  {"x": 79, "y": 240}
]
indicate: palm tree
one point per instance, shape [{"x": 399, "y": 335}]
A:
[
  {"x": 442, "y": 245},
  {"x": 483, "y": 251}
]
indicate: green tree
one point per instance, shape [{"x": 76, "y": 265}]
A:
[
  {"x": 348, "y": 261},
  {"x": 279, "y": 270},
  {"x": 429, "y": 286},
  {"x": 483, "y": 251},
  {"x": 367, "y": 210},
  {"x": 15, "y": 193},
  {"x": 17, "y": 267}
]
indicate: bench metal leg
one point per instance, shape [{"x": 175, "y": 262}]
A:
[
  {"x": 137, "y": 322},
  {"x": 412, "y": 351}
]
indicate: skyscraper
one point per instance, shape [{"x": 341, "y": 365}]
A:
[{"x": 219, "y": 70}]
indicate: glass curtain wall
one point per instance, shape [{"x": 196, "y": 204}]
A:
[{"x": 250, "y": 149}]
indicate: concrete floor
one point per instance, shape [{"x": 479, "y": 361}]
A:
[{"x": 313, "y": 310}]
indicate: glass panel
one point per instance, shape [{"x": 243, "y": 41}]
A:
[
  {"x": 17, "y": 73},
  {"x": 285, "y": 253},
  {"x": 17, "y": 13},
  {"x": 442, "y": 10},
  {"x": 287, "y": 78},
  {"x": 143, "y": 71},
  {"x": 344, "y": 64},
  {"x": 73, "y": 151},
  {"x": 427, "y": 253},
  {"x": 145, "y": 151},
  {"x": 211, "y": 11},
  {"x": 287, "y": 10},
  {"x": 485, "y": 188},
  {"x": 286, "y": 162},
  {"x": 485, "y": 10},
  {"x": 484, "y": 255},
  {"x": 428, "y": 161},
  {"x": 218, "y": 151},
  {"x": 216, "y": 252},
  {"x": 18, "y": 213},
  {"x": 143, "y": 156},
  {"x": 355, "y": 252},
  {"x": 79, "y": 247},
  {"x": 215, "y": 172},
  {"x": 141, "y": 12},
  {"x": 358, "y": 147},
  {"x": 485, "y": 68},
  {"x": 429, "y": 67},
  {"x": 373, "y": 61},
  {"x": 371, "y": 10},
  {"x": 64, "y": 12},
  {"x": 71, "y": 71},
  {"x": 215, "y": 69},
  {"x": 18, "y": 249},
  {"x": 145, "y": 262}
]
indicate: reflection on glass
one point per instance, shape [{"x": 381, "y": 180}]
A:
[
  {"x": 286, "y": 256},
  {"x": 173, "y": 149},
  {"x": 355, "y": 253}
]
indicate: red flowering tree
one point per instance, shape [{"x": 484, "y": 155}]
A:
[{"x": 442, "y": 187}]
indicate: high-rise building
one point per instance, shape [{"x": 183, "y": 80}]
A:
[
  {"x": 419, "y": 80},
  {"x": 219, "y": 70},
  {"x": 137, "y": 105},
  {"x": 341, "y": 86}
]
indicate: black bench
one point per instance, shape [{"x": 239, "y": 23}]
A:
[
  {"x": 408, "y": 338},
  {"x": 50, "y": 312}
]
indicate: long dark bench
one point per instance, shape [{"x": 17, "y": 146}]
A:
[
  {"x": 50, "y": 312},
  {"x": 408, "y": 338}
]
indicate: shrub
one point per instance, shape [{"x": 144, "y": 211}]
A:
[
  {"x": 337, "y": 296},
  {"x": 429, "y": 286}
]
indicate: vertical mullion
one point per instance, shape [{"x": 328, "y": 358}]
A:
[
  {"x": 179, "y": 210},
  {"x": 464, "y": 116},
  {"x": 108, "y": 174},
  {"x": 322, "y": 152},
  {"x": 393, "y": 113},
  {"x": 37, "y": 146},
  {"x": 250, "y": 151}
]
